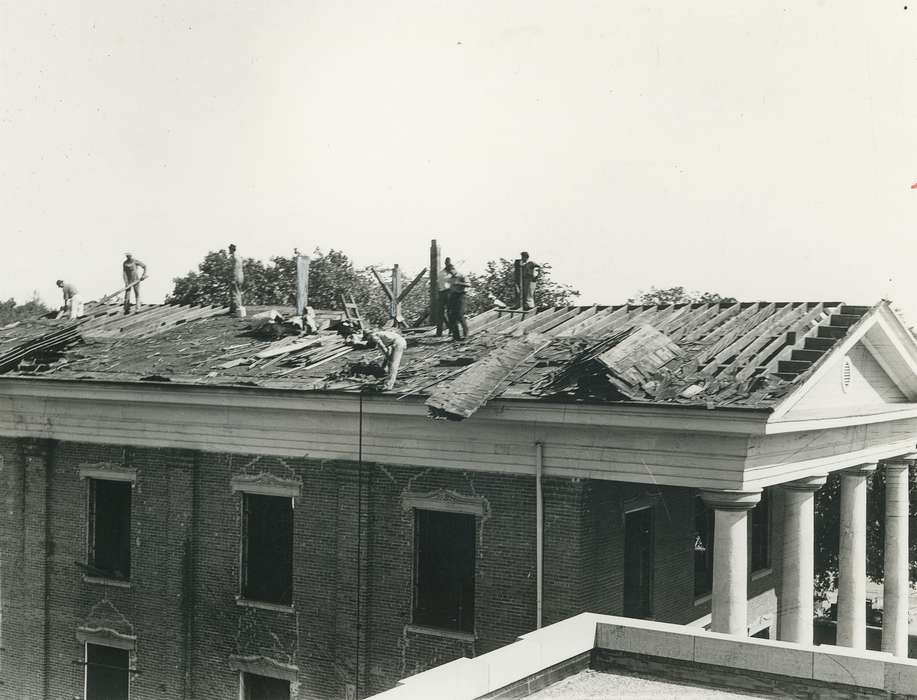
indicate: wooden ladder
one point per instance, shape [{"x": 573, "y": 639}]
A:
[{"x": 351, "y": 311}]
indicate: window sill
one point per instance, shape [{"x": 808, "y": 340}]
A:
[
  {"x": 761, "y": 573},
  {"x": 276, "y": 607},
  {"x": 703, "y": 599},
  {"x": 440, "y": 632},
  {"x": 103, "y": 581}
]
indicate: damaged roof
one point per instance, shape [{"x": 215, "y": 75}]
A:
[{"x": 714, "y": 355}]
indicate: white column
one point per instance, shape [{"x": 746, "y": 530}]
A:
[
  {"x": 730, "y": 559},
  {"x": 851, "y": 588},
  {"x": 895, "y": 593},
  {"x": 795, "y": 609}
]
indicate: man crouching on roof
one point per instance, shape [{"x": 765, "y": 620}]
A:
[{"x": 392, "y": 346}]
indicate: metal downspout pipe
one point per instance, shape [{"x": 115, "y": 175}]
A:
[{"x": 539, "y": 536}]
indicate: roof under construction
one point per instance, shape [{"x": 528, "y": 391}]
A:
[{"x": 712, "y": 355}]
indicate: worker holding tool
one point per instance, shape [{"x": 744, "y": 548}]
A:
[
  {"x": 526, "y": 272},
  {"x": 442, "y": 283},
  {"x": 236, "y": 283},
  {"x": 392, "y": 346},
  {"x": 73, "y": 304},
  {"x": 132, "y": 279},
  {"x": 458, "y": 285}
]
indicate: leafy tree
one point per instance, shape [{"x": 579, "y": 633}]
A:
[
  {"x": 677, "y": 295},
  {"x": 827, "y": 530},
  {"x": 497, "y": 282},
  {"x": 330, "y": 275},
  {"x": 10, "y": 311}
]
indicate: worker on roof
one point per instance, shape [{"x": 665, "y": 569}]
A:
[
  {"x": 526, "y": 272},
  {"x": 392, "y": 345},
  {"x": 132, "y": 279},
  {"x": 73, "y": 304},
  {"x": 236, "y": 282},
  {"x": 458, "y": 285},
  {"x": 442, "y": 285}
]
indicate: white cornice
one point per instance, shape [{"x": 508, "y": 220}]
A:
[{"x": 677, "y": 418}]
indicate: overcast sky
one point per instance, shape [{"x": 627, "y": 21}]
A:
[{"x": 749, "y": 148}]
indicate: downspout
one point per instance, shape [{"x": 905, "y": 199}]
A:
[{"x": 539, "y": 536}]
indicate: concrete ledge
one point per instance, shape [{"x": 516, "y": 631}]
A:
[
  {"x": 689, "y": 655},
  {"x": 750, "y": 654},
  {"x": 842, "y": 665},
  {"x": 645, "y": 640}
]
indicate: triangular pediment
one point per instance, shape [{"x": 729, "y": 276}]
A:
[{"x": 871, "y": 371}]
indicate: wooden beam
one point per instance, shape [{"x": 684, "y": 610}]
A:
[
  {"x": 302, "y": 283},
  {"x": 407, "y": 290},
  {"x": 435, "y": 266},
  {"x": 388, "y": 292}
]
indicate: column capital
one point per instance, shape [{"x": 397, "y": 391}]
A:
[
  {"x": 731, "y": 499},
  {"x": 866, "y": 469},
  {"x": 808, "y": 483},
  {"x": 904, "y": 460}
]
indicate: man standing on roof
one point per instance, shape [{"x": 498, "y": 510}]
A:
[
  {"x": 236, "y": 283},
  {"x": 392, "y": 346},
  {"x": 442, "y": 284},
  {"x": 132, "y": 279},
  {"x": 458, "y": 285},
  {"x": 527, "y": 272},
  {"x": 73, "y": 305}
]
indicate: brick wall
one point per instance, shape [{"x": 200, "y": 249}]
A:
[{"x": 353, "y": 568}]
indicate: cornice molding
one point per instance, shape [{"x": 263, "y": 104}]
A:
[{"x": 446, "y": 501}]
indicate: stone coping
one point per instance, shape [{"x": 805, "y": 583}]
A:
[{"x": 534, "y": 653}]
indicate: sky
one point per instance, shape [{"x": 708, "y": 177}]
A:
[{"x": 762, "y": 150}]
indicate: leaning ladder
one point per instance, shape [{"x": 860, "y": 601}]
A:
[{"x": 351, "y": 311}]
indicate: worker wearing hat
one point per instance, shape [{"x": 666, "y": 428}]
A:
[
  {"x": 132, "y": 279},
  {"x": 458, "y": 285}
]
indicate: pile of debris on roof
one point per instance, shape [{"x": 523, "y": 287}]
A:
[{"x": 708, "y": 355}]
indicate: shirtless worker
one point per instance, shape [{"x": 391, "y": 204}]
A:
[
  {"x": 73, "y": 305},
  {"x": 392, "y": 346},
  {"x": 131, "y": 275}
]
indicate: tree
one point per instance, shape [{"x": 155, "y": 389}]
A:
[
  {"x": 827, "y": 530},
  {"x": 497, "y": 282},
  {"x": 677, "y": 295},
  {"x": 330, "y": 275},
  {"x": 10, "y": 311}
]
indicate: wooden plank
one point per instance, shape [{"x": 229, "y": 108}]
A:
[
  {"x": 464, "y": 395},
  {"x": 776, "y": 326},
  {"x": 558, "y": 317},
  {"x": 601, "y": 314},
  {"x": 640, "y": 353},
  {"x": 562, "y": 327},
  {"x": 476, "y": 322},
  {"x": 801, "y": 329},
  {"x": 737, "y": 339},
  {"x": 407, "y": 290},
  {"x": 700, "y": 331},
  {"x": 385, "y": 288}
]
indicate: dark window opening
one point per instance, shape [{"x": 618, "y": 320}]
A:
[
  {"x": 107, "y": 673},
  {"x": 760, "y": 534},
  {"x": 704, "y": 520},
  {"x": 444, "y": 549},
  {"x": 257, "y": 687},
  {"x": 638, "y": 563},
  {"x": 267, "y": 556},
  {"x": 110, "y": 528},
  {"x": 763, "y": 633}
]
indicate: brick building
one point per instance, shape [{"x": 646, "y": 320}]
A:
[{"x": 187, "y": 516}]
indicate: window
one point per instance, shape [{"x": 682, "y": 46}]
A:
[
  {"x": 267, "y": 548},
  {"x": 760, "y": 534},
  {"x": 110, "y": 528},
  {"x": 255, "y": 687},
  {"x": 107, "y": 673},
  {"x": 638, "y": 563},
  {"x": 444, "y": 550},
  {"x": 704, "y": 521}
]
